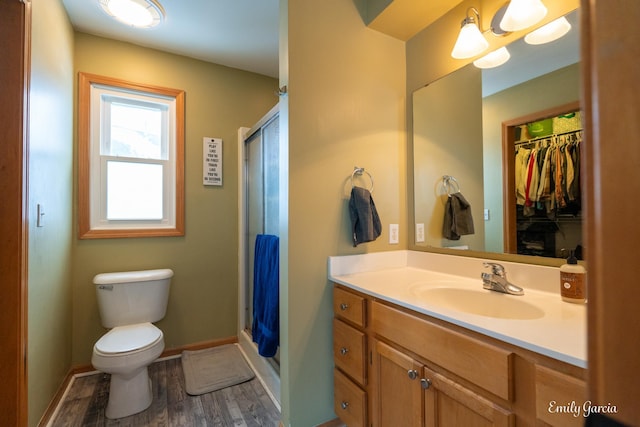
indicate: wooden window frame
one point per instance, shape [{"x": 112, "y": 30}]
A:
[{"x": 85, "y": 81}]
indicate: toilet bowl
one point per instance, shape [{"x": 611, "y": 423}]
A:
[
  {"x": 128, "y": 303},
  {"x": 125, "y": 352}
]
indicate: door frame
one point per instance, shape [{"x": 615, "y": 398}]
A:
[
  {"x": 611, "y": 93},
  {"x": 15, "y": 33}
]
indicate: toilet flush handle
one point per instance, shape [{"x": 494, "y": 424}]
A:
[{"x": 105, "y": 287}]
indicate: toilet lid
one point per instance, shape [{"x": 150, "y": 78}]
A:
[{"x": 128, "y": 338}]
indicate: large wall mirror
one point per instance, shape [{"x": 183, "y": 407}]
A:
[{"x": 458, "y": 126}]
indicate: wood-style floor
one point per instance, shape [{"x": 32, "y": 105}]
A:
[{"x": 245, "y": 404}]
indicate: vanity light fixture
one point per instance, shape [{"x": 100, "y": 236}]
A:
[
  {"x": 135, "y": 13},
  {"x": 493, "y": 59},
  {"x": 521, "y": 14},
  {"x": 549, "y": 32},
  {"x": 470, "y": 40}
]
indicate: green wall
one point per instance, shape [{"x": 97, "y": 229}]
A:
[
  {"x": 346, "y": 108},
  {"x": 50, "y": 185},
  {"x": 447, "y": 140},
  {"x": 203, "y": 298}
]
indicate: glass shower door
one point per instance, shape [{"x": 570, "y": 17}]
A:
[{"x": 262, "y": 196}]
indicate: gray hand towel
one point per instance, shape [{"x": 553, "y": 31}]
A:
[
  {"x": 365, "y": 222},
  {"x": 457, "y": 217}
]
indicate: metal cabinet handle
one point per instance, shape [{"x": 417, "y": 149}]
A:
[
  {"x": 344, "y": 306},
  {"x": 344, "y": 405},
  {"x": 413, "y": 374},
  {"x": 425, "y": 383},
  {"x": 344, "y": 351}
]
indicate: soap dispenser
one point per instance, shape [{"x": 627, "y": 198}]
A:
[{"x": 572, "y": 281}]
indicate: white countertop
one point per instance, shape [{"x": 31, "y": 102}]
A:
[{"x": 546, "y": 324}]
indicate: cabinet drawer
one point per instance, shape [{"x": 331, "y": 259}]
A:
[
  {"x": 349, "y": 306},
  {"x": 349, "y": 347},
  {"x": 557, "y": 395},
  {"x": 349, "y": 401},
  {"x": 485, "y": 365}
]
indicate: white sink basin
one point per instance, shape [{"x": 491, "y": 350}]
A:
[{"x": 479, "y": 301}]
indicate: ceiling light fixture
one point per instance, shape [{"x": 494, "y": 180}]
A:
[
  {"x": 135, "y": 13},
  {"x": 470, "y": 40},
  {"x": 496, "y": 20},
  {"x": 521, "y": 14},
  {"x": 549, "y": 32},
  {"x": 493, "y": 59}
]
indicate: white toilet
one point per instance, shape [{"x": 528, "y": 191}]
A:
[{"x": 129, "y": 302}]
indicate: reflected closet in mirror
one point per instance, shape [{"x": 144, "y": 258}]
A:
[{"x": 542, "y": 192}]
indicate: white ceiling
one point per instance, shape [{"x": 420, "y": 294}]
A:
[{"x": 237, "y": 33}]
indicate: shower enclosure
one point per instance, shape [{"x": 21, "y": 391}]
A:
[{"x": 258, "y": 213}]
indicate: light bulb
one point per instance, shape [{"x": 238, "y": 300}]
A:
[
  {"x": 493, "y": 59},
  {"x": 470, "y": 42},
  {"x": 136, "y": 13},
  {"x": 549, "y": 32},
  {"x": 521, "y": 14}
]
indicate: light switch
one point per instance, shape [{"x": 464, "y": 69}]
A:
[{"x": 39, "y": 215}]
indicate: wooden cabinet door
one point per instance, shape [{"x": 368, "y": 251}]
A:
[
  {"x": 397, "y": 396},
  {"x": 448, "y": 404}
]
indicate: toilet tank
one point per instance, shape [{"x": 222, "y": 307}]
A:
[{"x": 131, "y": 297}]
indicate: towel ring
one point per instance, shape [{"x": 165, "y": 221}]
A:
[
  {"x": 359, "y": 171},
  {"x": 449, "y": 184}
]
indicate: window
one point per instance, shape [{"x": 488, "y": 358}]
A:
[{"x": 131, "y": 159}]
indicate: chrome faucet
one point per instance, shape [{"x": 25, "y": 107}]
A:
[{"x": 497, "y": 280}]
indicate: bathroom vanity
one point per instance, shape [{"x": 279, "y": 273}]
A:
[{"x": 415, "y": 345}]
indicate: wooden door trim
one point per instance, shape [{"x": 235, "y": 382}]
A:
[
  {"x": 610, "y": 57},
  {"x": 508, "y": 169},
  {"x": 15, "y": 30}
]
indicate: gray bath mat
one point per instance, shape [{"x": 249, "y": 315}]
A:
[{"x": 214, "y": 368}]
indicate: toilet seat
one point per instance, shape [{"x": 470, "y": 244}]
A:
[{"x": 128, "y": 339}]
